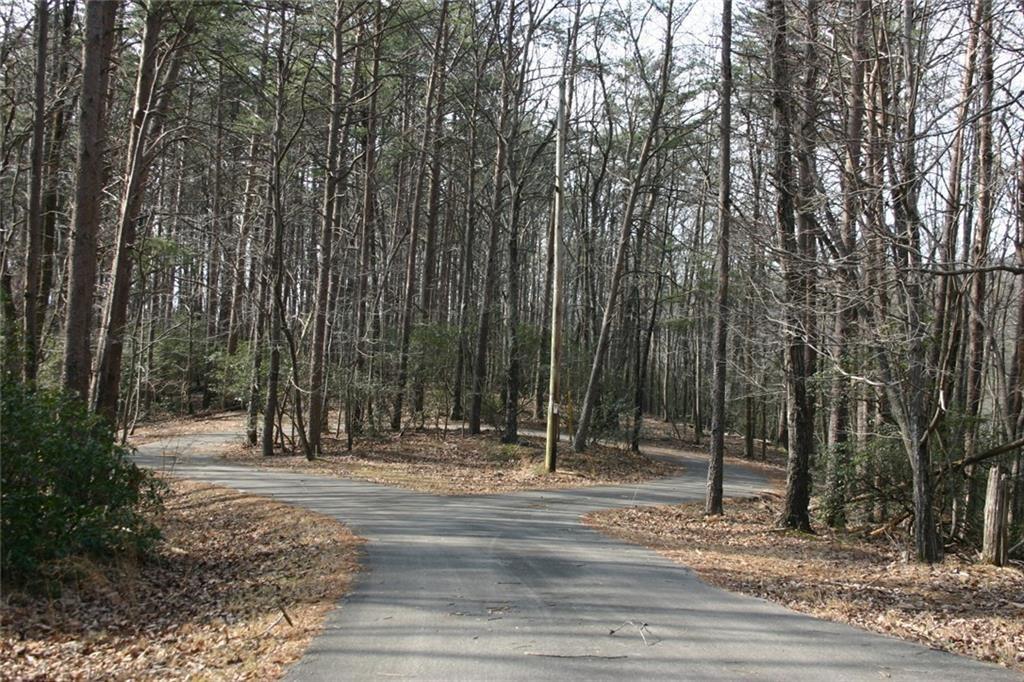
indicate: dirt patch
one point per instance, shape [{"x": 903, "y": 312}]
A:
[
  {"x": 449, "y": 463},
  {"x": 956, "y": 606},
  {"x": 211, "y": 604}
]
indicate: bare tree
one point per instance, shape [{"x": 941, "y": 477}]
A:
[
  {"x": 798, "y": 400},
  {"x": 637, "y": 176},
  {"x": 156, "y": 79},
  {"x": 329, "y": 216},
  {"x": 33, "y": 259}
]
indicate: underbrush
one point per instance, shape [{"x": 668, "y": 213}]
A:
[{"x": 67, "y": 490}]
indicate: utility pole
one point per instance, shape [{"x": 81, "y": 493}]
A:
[
  {"x": 551, "y": 448},
  {"x": 713, "y": 500}
]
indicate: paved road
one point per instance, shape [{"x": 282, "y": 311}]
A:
[{"x": 514, "y": 587}]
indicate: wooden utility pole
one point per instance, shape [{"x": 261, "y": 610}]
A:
[
  {"x": 551, "y": 448},
  {"x": 713, "y": 499}
]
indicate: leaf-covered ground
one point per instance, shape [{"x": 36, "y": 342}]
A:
[
  {"x": 956, "y": 606},
  {"x": 437, "y": 460},
  {"x": 449, "y": 463},
  {"x": 199, "y": 425},
  {"x": 210, "y": 605},
  {"x": 766, "y": 455}
]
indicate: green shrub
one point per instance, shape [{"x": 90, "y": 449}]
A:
[{"x": 66, "y": 488}]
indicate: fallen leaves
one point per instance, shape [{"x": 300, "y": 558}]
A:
[
  {"x": 215, "y": 603},
  {"x": 178, "y": 427},
  {"x": 957, "y": 606},
  {"x": 450, "y": 463}
]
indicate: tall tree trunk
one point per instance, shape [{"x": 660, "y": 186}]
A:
[
  {"x": 645, "y": 344},
  {"x": 51, "y": 190},
  {"x": 490, "y": 275},
  {"x": 276, "y": 265},
  {"x": 367, "y": 233},
  {"x": 33, "y": 259},
  {"x": 427, "y": 302},
  {"x": 319, "y": 342},
  {"x": 907, "y": 397},
  {"x": 433, "y": 84},
  {"x": 979, "y": 257},
  {"x": 838, "y": 462},
  {"x": 238, "y": 282},
  {"x": 512, "y": 369},
  {"x": 799, "y": 420},
  {"x": 465, "y": 258},
  {"x": 261, "y": 288},
  {"x": 153, "y": 91},
  {"x": 97, "y": 46},
  {"x": 497, "y": 202}
]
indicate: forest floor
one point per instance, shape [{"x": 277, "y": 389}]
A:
[
  {"x": 201, "y": 424},
  {"x": 237, "y": 588},
  {"x": 450, "y": 463},
  {"x": 958, "y": 606},
  {"x": 663, "y": 437}
]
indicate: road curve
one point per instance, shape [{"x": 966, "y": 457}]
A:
[{"x": 503, "y": 587}]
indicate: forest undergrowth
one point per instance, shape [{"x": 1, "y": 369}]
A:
[{"x": 222, "y": 597}]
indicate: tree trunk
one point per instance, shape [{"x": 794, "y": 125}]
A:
[
  {"x": 645, "y": 344},
  {"x": 427, "y": 302},
  {"x": 33, "y": 259},
  {"x": 838, "y": 462},
  {"x": 555, "y": 280},
  {"x": 259, "y": 326},
  {"x": 153, "y": 91},
  {"x": 490, "y": 275},
  {"x": 92, "y": 140},
  {"x": 799, "y": 419},
  {"x": 368, "y": 221},
  {"x": 276, "y": 264},
  {"x": 465, "y": 278},
  {"x": 995, "y": 542},
  {"x": 436, "y": 76},
  {"x": 54, "y": 159},
  {"x": 497, "y": 202},
  {"x": 979, "y": 257},
  {"x": 319, "y": 341}
]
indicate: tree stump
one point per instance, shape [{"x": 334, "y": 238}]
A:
[{"x": 994, "y": 549}]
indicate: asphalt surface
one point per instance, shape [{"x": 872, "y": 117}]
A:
[{"x": 515, "y": 587}]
